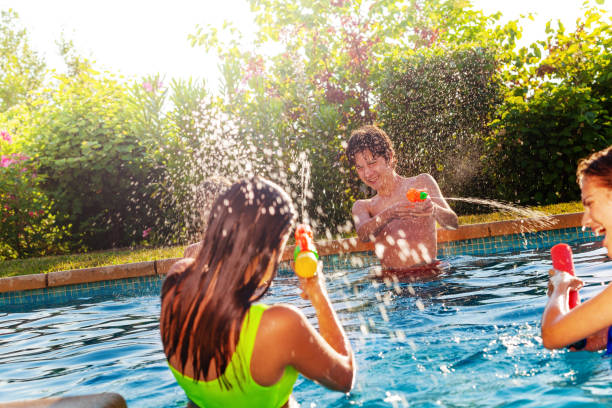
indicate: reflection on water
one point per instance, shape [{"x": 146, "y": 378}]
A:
[{"x": 470, "y": 338}]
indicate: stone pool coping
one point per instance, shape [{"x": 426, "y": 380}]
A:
[{"x": 325, "y": 248}]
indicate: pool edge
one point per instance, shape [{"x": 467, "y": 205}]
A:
[{"x": 474, "y": 235}]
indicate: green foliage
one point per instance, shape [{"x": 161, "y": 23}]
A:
[
  {"x": 96, "y": 169},
  {"x": 21, "y": 70},
  {"x": 114, "y": 164},
  {"x": 27, "y": 225},
  {"x": 329, "y": 78},
  {"x": 556, "y": 111},
  {"x": 180, "y": 128},
  {"x": 436, "y": 107}
]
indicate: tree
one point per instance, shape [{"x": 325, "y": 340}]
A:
[
  {"x": 556, "y": 111},
  {"x": 328, "y": 79},
  {"x": 21, "y": 70}
]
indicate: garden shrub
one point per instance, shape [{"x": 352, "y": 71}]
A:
[
  {"x": 436, "y": 106},
  {"x": 556, "y": 111},
  {"x": 28, "y": 226},
  {"x": 96, "y": 169}
]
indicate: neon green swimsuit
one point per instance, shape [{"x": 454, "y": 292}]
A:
[{"x": 210, "y": 394}]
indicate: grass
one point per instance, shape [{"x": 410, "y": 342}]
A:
[
  {"x": 47, "y": 264},
  {"x": 563, "y": 208},
  {"x": 124, "y": 256}
]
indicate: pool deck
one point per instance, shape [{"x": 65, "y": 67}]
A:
[{"x": 446, "y": 238}]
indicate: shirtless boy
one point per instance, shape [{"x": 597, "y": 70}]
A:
[{"x": 404, "y": 233}]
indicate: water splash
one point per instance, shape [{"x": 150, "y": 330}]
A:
[
  {"x": 305, "y": 182},
  {"x": 530, "y": 218}
]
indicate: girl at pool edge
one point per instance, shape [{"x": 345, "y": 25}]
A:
[
  {"x": 226, "y": 350},
  {"x": 585, "y": 326}
]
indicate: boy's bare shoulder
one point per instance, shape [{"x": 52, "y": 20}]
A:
[
  {"x": 361, "y": 205},
  {"x": 425, "y": 177}
]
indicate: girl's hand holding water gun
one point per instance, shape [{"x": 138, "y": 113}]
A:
[
  {"x": 314, "y": 288},
  {"x": 309, "y": 269},
  {"x": 307, "y": 265},
  {"x": 560, "y": 283}
]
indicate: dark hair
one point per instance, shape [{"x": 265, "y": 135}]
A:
[
  {"x": 598, "y": 165},
  {"x": 369, "y": 138},
  {"x": 204, "y": 306}
]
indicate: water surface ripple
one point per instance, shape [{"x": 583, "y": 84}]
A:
[{"x": 468, "y": 339}]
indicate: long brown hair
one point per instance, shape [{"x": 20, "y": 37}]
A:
[{"x": 203, "y": 306}]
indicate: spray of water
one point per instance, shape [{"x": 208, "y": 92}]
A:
[
  {"x": 530, "y": 219},
  {"x": 305, "y": 182}
]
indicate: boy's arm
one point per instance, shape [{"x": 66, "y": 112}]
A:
[
  {"x": 368, "y": 227},
  {"x": 442, "y": 212}
]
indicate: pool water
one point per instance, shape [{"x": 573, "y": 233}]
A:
[{"x": 468, "y": 339}]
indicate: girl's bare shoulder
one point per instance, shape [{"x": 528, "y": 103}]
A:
[{"x": 180, "y": 266}]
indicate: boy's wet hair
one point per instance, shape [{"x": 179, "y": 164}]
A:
[
  {"x": 598, "y": 165},
  {"x": 369, "y": 138}
]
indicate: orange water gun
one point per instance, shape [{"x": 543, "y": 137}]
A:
[
  {"x": 305, "y": 255},
  {"x": 413, "y": 195}
]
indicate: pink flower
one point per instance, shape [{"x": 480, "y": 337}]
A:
[
  {"x": 6, "y": 161},
  {"x": 146, "y": 232},
  {"x": 5, "y": 136},
  {"x": 147, "y": 86}
]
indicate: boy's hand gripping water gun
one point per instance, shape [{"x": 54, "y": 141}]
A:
[
  {"x": 562, "y": 261},
  {"x": 413, "y": 195},
  {"x": 305, "y": 254}
]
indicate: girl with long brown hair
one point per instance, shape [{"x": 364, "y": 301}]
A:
[
  {"x": 224, "y": 348},
  {"x": 588, "y": 326}
]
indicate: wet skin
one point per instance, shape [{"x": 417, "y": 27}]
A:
[
  {"x": 404, "y": 233},
  {"x": 597, "y": 202},
  {"x": 591, "y": 319}
]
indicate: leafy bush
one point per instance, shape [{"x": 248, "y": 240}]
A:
[
  {"x": 556, "y": 111},
  {"x": 96, "y": 169},
  {"x": 436, "y": 107},
  {"x": 27, "y": 225}
]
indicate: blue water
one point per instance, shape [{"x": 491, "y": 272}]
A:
[{"x": 468, "y": 339}]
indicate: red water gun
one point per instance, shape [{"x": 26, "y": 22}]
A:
[{"x": 562, "y": 261}]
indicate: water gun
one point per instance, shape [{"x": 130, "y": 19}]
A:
[
  {"x": 413, "y": 195},
  {"x": 305, "y": 254},
  {"x": 562, "y": 261}
]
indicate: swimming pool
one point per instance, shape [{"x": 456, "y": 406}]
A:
[{"x": 470, "y": 338}]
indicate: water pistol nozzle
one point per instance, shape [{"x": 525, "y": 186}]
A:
[
  {"x": 305, "y": 254},
  {"x": 413, "y": 195}
]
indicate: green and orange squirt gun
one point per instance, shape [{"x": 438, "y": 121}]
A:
[
  {"x": 305, "y": 255},
  {"x": 413, "y": 195}
]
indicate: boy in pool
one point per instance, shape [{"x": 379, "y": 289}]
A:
[
  {"x": 404, "y": 233},
  {"x": 587, "y": 326}
]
